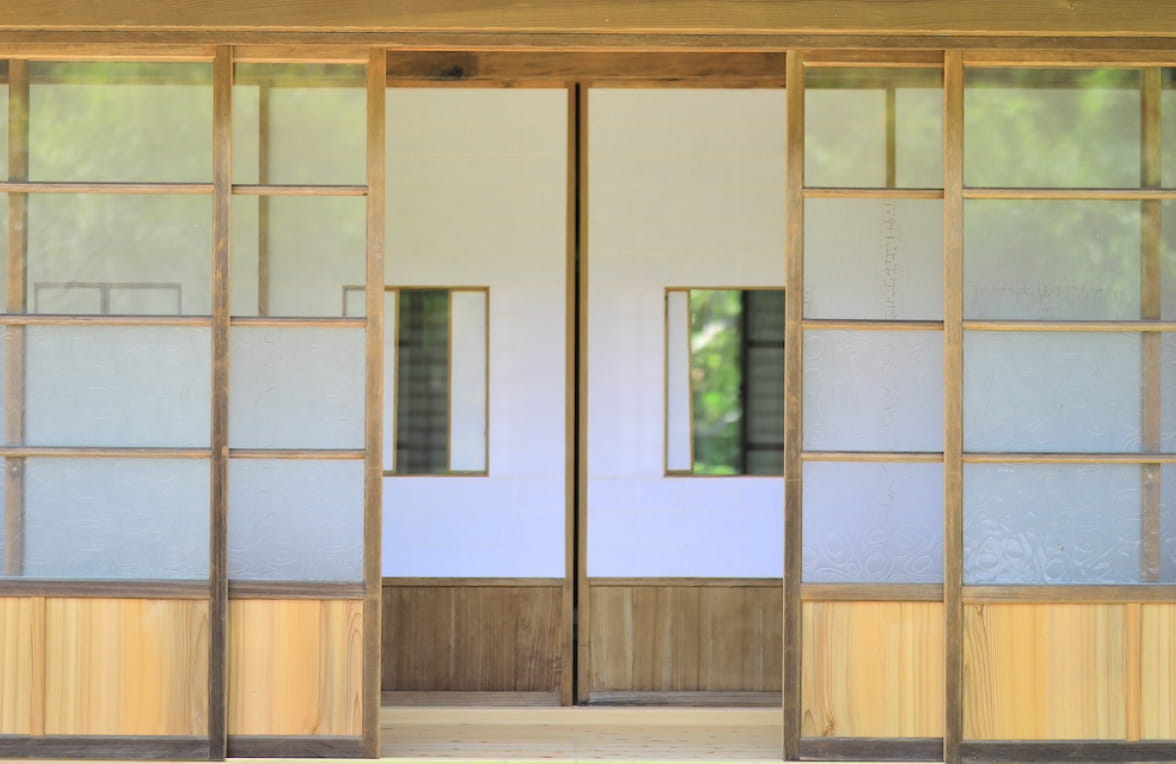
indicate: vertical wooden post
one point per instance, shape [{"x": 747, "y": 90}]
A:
[
  {"x": 953, "y": 404},
  {"x": 793, "y": 405},
  {"x": 567, "y": 680},
  {"x": 18, "y": 241},
  {"x": 222, "y": 135},
  {"x": 583, "y": 599},
  {"x": 373, "y": 482},
  {"x": 891, "y": 136}
]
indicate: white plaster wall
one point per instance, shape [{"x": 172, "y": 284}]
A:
[
  {"x": 686, "y": 188},
  {"x": 477, "y": 182}
]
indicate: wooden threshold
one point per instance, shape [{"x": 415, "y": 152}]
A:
[
  {"x": 701, "y": 699},
  {"x": 448, "y": 699}
]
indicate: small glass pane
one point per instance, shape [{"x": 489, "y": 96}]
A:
[
  {"x": 1052, "y": 391},
  {"x": 1168, "y": 393},
  {"x": 874, "y": 128},
  {"x": 119, "y": 254},
  {"x": 141, "y": 386},
  {"x": 1051, "y": 260},
  {"x": 1168, "y": 260},
  {"x": 116, "y": 518},
  {"x": 117, "y": 121},
  {"x": 468, "y": 379},
  {"x": 1168, "y": 523},
  {"x": 300, "y": 124},
  {"x": 873, "y": 523},
  {"x": 3, "y": 132},
  {"x": 888, "y": 265},
  {"x": 295, "y": 520},
  {"x": 1076, "y": 128},
  {"x": 1051, "y": 524},
  {"x": 1168, "y": 126},
  {"x": 296, "y": 387},
  {"x": 873, "y": 391},
  {"x": 296, "y": 256}
]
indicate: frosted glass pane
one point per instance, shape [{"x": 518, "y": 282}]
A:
[
  {"x": 1051, "y": 260},
  {"x": 116, "y": 518},
  {"x": 873, "y": 391},
  {"x": 467, "y": 380},
  {"x": 3, "y": 156},
  {"x": 315, "y": 120},
  {"x": 1051, "y": 391},
  {"x": 846, "y": 125},
  {"x": 873, "y": 523},
  {"x": 1168, "y": 260},
  {"x": 296, "y": 387},
  {"x": 1051, "y": 524},
  {"x": 295, "y": 520},
  {"x": 117, "y": 386},
  {"x": 115, "y": 253},
  {"x": 679, "y": 430},
  {"x": 887, "y": 265},
  {"x": 1168, "y": 393},
  {"x": 1042, "y": 127},
  {"x": 1168, "y": 526},
  {"x": 116, "y": 121},
  {"x": 314, "y": 248}
]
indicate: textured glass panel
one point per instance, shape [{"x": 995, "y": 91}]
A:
[
  {"x": 468, "y": 379},
  {"x": 851, "y": 139},
  {"x": 296, "y": 520},
  {"x": 1168, "y": 127},
  {"x": 873, "y": 523},
  {"x": 1042, "y": 127},
  {"x": 1051, "y": 391},
  {"x": 115, "y": 253},
  {"x": 873, "y": 391},
  {"x": 116, "y": 518},
  {"x": 296, "y": 387},
  {"x": 1051, "y": 260},
  {"x": 299, "y": 124},
  {"x": 1168, "y": 261},
  {"x": 1168, "y": 527},
  {"x": 678, "y": 423},
  {"x": 300, "y": 260},
  {"x": 3, "y": 154},
  {"x": 117, "y": 386},
  {"x": 887, "y": 265},
  {"x": 1168, "y": 393},
  {"x": 4, "y": 249},
  {"x": 116, "y": 121},
  {"x": 1051, "y": 523}
]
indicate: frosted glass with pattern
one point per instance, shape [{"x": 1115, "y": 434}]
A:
[
  {"x": 295, "y": 520},
  {"x": 873, "y": 523},
  {"x": 119, "y": 121},
  {"x": 1168, "y": 524},
  {"x": 1052, "y": 391},
  {"x": 116, "y": 518},
  {"x": 140, "y": 386},
  {"x": 846, "y": 128},
  {"x": 887, "y": 265},
  {"x": 1056, "y": 128},
  {"x": 315, "y": 248},
  {"x": 296, "y": 387},
  {"x": 116, "y": 253},
  {"x": 873, "y": 391},
  {"x": 1051, "y": 524},
  {"x": 317, "y": 124},
  {"x": 1051, "y": 260}
]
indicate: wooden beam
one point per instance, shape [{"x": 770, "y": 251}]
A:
[
  {"x": 222, "y": 170},
  {"x": 1063, "y": 18},
  {"x": 793, "y": 407},
  {"x": 373, "y": 473},
  {"x": 584, "y": 609}
]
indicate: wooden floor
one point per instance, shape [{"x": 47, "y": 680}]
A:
[{"x": 583, "y": 734}]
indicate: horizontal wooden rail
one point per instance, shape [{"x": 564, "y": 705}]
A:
[
  {"x": 104, "y": 452},
  {"x": 1096, "y": 593},
  {"x": 864, "y": 592},
  {"x": 1072, "y": 194},
  {"x": 84, "y": 319},
  {"x": 1069, "y": 326},
  {"x": 874, "y": 325},
  {"x": 245, "y": 189},
  {"x": 332, "y": 454},
  {"x": 1068, "y": 458},
  {"x": 38, "y": 187},
  {"x": 873, "y": 193},
  {"x": 331, "y": 322},
  {"x": 873, "y": 456}
]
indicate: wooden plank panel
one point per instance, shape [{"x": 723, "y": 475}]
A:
[
  {"x": 1045, "y": 672},
  {"x": 873, "y": 669},
  {"x": 295, "y": 667},
  {"x": 1158, "y": 672},
  {"x": 473, "y": 638},
  {"x": 22, "y": 661},
  {"x": 126, "y": 667},
  {"x": 1013, "y": 17},
  {"x": 686, "y": 638}
]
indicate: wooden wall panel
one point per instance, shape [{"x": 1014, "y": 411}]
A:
[
  {"x": 22, "y": 664},
  {"x": 126, "y": 667},
  {"x": 668, "y": 638},
  {"x": 1045, "y": 672},
  {"x": 472, "y": 638},
  {"x": 872, "y": 669},
  {"x": 1158, "y": 672},
  {"x": 295, "y": 667}
]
